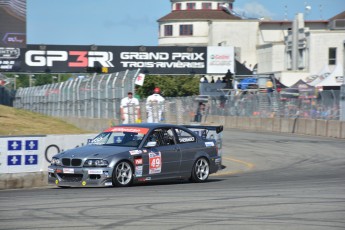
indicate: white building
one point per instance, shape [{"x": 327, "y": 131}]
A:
[{"x": 291, "y": 50}]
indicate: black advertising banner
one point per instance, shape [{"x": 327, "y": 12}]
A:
[{"x": 81, "y": 59}]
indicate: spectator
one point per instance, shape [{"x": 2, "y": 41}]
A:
[
  {"x": 155, "y": 106},
  {"x": 228, "y": 79},
  {"x": 199, "y": 112},
  {"x": 218, "y": 80},
  {"x": 269, "y": 86},
  {"x": 212, "y": 80},
  {"x": 129, "y": 109},
  {"x": 203, "y": 80}
]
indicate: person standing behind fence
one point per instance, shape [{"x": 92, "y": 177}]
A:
[
  {"x": 130, "y": 109},
  {"x": 269, "y": 86},
  {"x": 155, "y": 106}
]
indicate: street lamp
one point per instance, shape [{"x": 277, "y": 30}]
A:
[
  {"x": 53, "y": 77},
  {"x": 30, "y": 79},
  {"x": 15, "y": 82}
]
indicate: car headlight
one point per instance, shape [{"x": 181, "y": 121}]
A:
[
  {"x": 96, "y": 163},
  {"x": 55, "y": 161}
]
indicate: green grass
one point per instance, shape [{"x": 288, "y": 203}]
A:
[{"x": 22, "y": 122}]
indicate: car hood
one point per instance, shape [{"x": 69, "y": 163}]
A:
[{"x": 94, "y": 151}]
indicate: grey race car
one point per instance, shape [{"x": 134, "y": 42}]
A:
[{"x": 122, "y": 155}]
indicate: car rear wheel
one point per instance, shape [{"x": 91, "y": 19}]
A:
[
  {"x": 123, "y": 174},
  {"x": 201, "y": 170}
]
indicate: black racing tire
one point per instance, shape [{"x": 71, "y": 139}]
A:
[
  {"x": 201, "y": 170},
  {"x": 123, "y": 174}
]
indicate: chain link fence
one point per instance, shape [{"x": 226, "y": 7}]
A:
[
  {"x": 90, "y": 96},
  {"x": 99, "y": 96}
]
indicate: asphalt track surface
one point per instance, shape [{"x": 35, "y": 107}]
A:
[{"x": 272, "y": 181}]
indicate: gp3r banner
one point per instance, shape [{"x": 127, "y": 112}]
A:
[{"x": 82, "y": 59}]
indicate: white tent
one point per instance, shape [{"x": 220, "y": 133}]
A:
[
  {"x": 324, "y": 73},
  {"x": 335, "y": 78}
]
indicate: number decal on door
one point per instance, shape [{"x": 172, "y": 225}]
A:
[{"x": 155, "y": 162}]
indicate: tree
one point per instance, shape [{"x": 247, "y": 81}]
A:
[{"x": 171, "y": 86}]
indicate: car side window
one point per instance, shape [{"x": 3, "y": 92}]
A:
[
  {"x": 162, "y": 136},
  {"x": 184, "y": 136}
]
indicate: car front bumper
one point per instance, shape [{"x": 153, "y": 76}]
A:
[{"x": 80, "y": 177}]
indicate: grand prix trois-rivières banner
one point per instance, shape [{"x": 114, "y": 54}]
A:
[{"x": 149, "y": 59}]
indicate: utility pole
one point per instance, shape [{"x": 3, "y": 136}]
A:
[{"x": 342, "y": 91}]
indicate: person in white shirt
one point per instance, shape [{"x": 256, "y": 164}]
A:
[
  {"x": 155, "y": 106},
  {"x": 129, "y": 109}
]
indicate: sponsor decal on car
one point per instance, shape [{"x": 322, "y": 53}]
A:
[
  {"x": 68, "y": 170},
  {"x": 155, "y": 160},
  {"x": 50, "y": 170},
  {"x": 138, "y": 161},
  {"x": 95, "y": 172},
  {"x": 135, "y": 152},
  {"x": 209, "y": 144},
  {"x": 83, "y": 183},
  {"x": 186, "y": 139},
  {"x": 128, "y": 129},
  {"x": 108, "y": 184},
  {"x": 138, "y": 171}
]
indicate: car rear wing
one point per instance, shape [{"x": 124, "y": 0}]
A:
[
  {"x": 208, "y": 132},
  {"x": 206, "y": 128}
]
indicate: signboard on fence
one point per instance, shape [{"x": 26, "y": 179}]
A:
[
  {"x": 33, "y": 153},
  {"x": 150, "y": 59}
]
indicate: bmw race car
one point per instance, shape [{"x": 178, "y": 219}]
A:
[{"x": 122, "y": 155}]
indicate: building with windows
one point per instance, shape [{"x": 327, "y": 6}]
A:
[{"x": 291, "y": 50}]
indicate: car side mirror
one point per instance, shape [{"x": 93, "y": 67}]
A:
[{"x": 151, "y": 144}]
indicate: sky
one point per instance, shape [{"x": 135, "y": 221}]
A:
[{"x": 134, "y": 22}]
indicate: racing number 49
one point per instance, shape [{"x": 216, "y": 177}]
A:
[{"x": 155, "y": 162}]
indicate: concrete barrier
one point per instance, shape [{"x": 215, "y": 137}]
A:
[
  {"x": 266, "y": 124},
  {"x": 276, "y": 125},
  {"x": 300, "y": 127},
  {"x": 321, "y": 128},
  {"x": 23, "y": 180},
  {"x": 342, "y": 131},
  {"x": 333, "y": 129},
  {"x": 310, "y": 128},
  {"x": 24, "y": 160}
]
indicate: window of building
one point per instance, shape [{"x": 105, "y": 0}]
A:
[
  {"x": 206, "y": 6},
  {"x": 178, "y": 6},
  {"x": 186, "y": 30},
  {"x": 190, "y": 6},
  {"x": 332, "y": 56},
  {"x": 168, "y": 30}
]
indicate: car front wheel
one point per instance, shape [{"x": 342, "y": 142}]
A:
[
  {"x": 123, "y": 174},
  {"x": 201, "y": 170}
]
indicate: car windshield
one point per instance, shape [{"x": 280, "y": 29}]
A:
[{"x": 121, "y": 136}]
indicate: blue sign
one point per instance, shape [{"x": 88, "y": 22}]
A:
[
  {"x": 31, "y": 159},
  {"x": 31, "y": 145},
  {"x": 14, "y": 160},
  {"x": 14, "y": 145}
]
